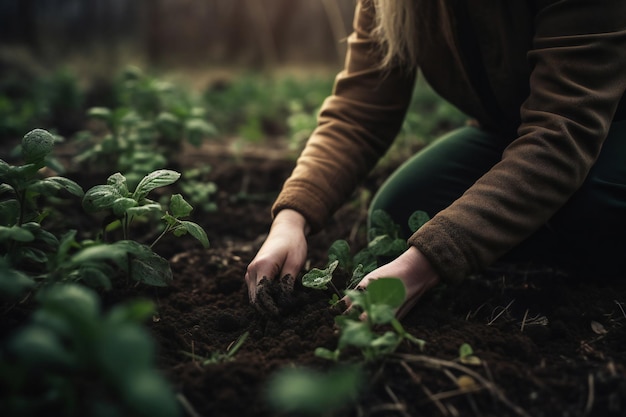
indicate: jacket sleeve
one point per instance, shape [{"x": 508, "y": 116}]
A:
[
  {"x": 356, "y": 126},
  {"x": 578, "y": 76}
]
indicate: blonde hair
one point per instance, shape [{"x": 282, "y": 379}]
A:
[{"x": 395, "y": 31}]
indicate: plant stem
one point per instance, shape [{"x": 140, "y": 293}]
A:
[{"x": 167, "y": 229}]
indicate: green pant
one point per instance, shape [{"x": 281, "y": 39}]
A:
[{"x": 587, "y": 235}]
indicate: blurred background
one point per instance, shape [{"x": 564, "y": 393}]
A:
[
  {"x": 250, "y": 70},
  {"x": 99, "y": 36}
]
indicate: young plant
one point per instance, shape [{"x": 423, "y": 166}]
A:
[
  {"x": 24, "y": 244},
  {"x": 371, "y": 310},
  {"x": 72, "y": 359},
  {"x": 220, "y": 357},
  {"x": 152, "y": 119},
  {"x": 385, "y": 242},
  {"x": 125, "y": 205}
]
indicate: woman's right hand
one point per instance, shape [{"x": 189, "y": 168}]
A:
[{"x": 273, "y": 271}]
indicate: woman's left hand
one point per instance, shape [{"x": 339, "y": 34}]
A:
[{"x": 414, "y": 270}]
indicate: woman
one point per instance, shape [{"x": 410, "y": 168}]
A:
[{"x": 543, "y": 175}]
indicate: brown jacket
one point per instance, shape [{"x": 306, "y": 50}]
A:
[{"x": 550, "y": 74}]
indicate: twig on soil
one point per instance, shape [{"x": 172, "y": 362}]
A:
[
  {"x": 442, "y": 408},
  {"x": 620, "y": 307},
  {"x": 401, "y": 407},
  {"x": 505, "y": 309},
  {"x": 187, "y": 405},
  {"x": 444, "y": 364},
  {"x": 521, "y": 329},
  {"x": 590, "y": 395}
]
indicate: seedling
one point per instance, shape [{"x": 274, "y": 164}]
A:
[
  {"x": 370, "y": 310},
  {"x": 219, "y": 357},
  {"x": 24, "y": 243},
  {"x": 72, "y": 359},
  {"x": 144, "y": 264},
  {"x": 385, "y": 242}
]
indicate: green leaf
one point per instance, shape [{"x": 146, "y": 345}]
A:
[
  {"x": 381, "y": 313},
  {"x": 16, "y": 233},
  {"x": 37, "y": 346},
  {"x": 67, "y": 184},
  {"x": 340, "y": 251},
  {"x": 71, "y": 300},
  {"x": 179, "y": 207},
  {"x": 302, "y": 391},
  {"x": 36, "y": 144},
  {"x": 9, "y": 212},
  {"x": 136, "y": 311},
  {"x": 387, "y": 343},
  {"x": 100, "y": 197},
  {"x": 150, "y": 268},
  {"x": 417, "y": 220},
  {"x": 319, "y": 278},
  {"x": 115, "y": 252},
  {"x": 156, "y": 179},
  {"x": 34, "y": 255},
  {"x": 144, "y": 209},
  {"x": 196, "y": 231},
  {"x": 355, "y": 333},
  {"x": 13, "y": 283},
  {"x": 118, "y": 182},
  {"x": 388, "y": 291},
  {"x": 383, "y": 224},
  {"x": 124, "y": 349},
  {"x": 101, "y": 113},
  {"x": 149, "y": 394},
  {"x": 122, "y": 204},
  {"x": 324, "y": 353}
]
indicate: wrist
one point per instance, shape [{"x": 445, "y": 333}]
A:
[{"x": 292, "y": 218}]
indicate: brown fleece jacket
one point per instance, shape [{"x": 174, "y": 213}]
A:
[{"x": 548, "y": 75}]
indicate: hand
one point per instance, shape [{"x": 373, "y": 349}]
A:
[
  {"x": 414, "y": 270},
  {"x": 282, "y": 255}
]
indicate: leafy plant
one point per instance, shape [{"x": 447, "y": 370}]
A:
[
  {"x": 385, "y": 241},
  {"x": 72, "y": 359},
  {"x": 143, "y": 263},
  {"x": 313, "y": 393},
  {"x": 24, "y": 243},
  {"x": 153, "y": 119},
  {"x": 371, "y": 309}
]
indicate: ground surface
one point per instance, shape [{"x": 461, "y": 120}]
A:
[{"x": 548, "y": 345}]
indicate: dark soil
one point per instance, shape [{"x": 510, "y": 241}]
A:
[{"x": 548, "y": 345}]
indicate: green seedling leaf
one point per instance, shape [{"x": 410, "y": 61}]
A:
[
  {"x": 122, "y": 204},
  {"x": 16, "y": 233},
  {"x": 357, "y": 275},
  {"x": 13, "y": 283},
  {"x": 149, "y": 394},
  {"x": 144, "y": 209},
  {"x": 38, "y": 346},
  {"x": 303, "y": 391},
  {"x": 34, "y": 255},
  {"x": 179, "y": 207},
  {"x": 354, "y": 333},
  {"x": 9, "y": 212},
  {"x": 319, "y": 278},
  {"x": 100, "y": 197},
  {"x": 151, "y": 269},
  {"x": 340, "y": 251},
  {"x": 137, "y": 312},
  {"x": 124, "y": 349},
  {"x": 387, "y": 343},
  {"x": 36, "y": 145},
  {"x": 51, "y": 185},
  {"x": 466, "y": 355},
  {"x": 194, "y": 230},
  {"x": 156, "y": 179},
  {"x": 387, "y": 291},
  {"x": 417, "y": 220},
  {"x": 383, "y": 224},
  {"x": 332, "y": 355},
  {"x": 73, "y": 301},
  {"x": 381, "y": 313},
  {"x": 118, "y": 182},
  {"x": 101, "y": 113}
]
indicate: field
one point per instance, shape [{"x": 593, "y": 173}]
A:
[{"x": 540, "y": 343}]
